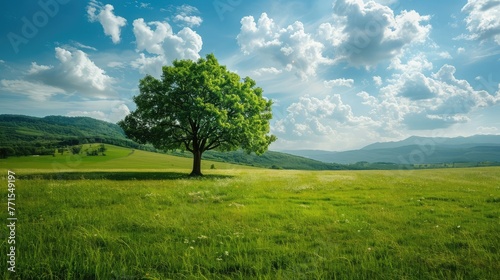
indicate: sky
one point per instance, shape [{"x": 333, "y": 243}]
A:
[{"x": 342, "y": 74}]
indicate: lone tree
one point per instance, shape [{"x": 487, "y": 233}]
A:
[{"x": 200, "y": 106}]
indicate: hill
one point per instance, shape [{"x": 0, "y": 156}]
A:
[
  {"x": 24, "y": 135},
  {"x": 417, "y": 150},
  {"x": 116, "y": 158},
  {"x": 270, "y": 159}
]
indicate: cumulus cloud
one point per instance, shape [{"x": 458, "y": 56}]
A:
[
  {"x": 371, "y": 33},
  {"x": 359, "y": 33},
  {"x": 418, "y": 63},
  {"x": 74, "y": 73},
  {"x": 420, "y": 102},
  {"x": 185, "y": 17},
  {"x": 482, "y": 19},
  {"x": 323, "y": 123},
  {"x": 291, "y": 47},
  {"x": 163, "y": 45},
  {"x": 150, "y": 65},
  {"x": 313, "y": 116},
  {"x": 377, "y": 80},
  {"x": 35, "y": 68},
  {"x": 111, "y": 23},
  {"x": 339, "y": 83},
  {"x": 114, "y": 115}
]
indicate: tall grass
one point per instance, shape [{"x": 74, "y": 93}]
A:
[{"x": 259, "y": 224}]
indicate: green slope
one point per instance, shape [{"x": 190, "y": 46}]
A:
[
  {"x": 27, "y": 135},
  {"x": 117, "y": 158},
  {"x": 25, "y": 128}
]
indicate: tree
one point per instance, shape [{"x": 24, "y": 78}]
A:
[{"x": 200, "y": 106}]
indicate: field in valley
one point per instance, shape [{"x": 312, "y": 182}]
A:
[{"x": 136, "y": 215}]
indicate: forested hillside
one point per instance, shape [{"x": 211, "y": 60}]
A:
[{"x": 24, "y": 135}]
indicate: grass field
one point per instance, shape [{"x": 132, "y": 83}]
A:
[{"x": 138, "y": 216}]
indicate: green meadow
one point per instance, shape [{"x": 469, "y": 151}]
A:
[{"x": 137, "y": 215}]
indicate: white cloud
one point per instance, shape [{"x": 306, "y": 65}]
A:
[
  {"x": 339, "y": 83},
  {"x": 482, "y": 19},
  {"x": 267, "y": 71},
  {"x": 312, "y": 116},
  {"x": 371, "y": 33},
  {"x": 111, "y": 23},
  {"x": 184, "y": 16},
  {"x": 35, "y": 91},
  {"x": 425, "y": 102},
  {"x": 35, "y": 68},
  {"x": 148, "y": 39},
  {"x": 75, "y": 72},
  {"x": 445, "y": 55},
  {"x": 322, "y": 124},
  {"x": 164, "y": 43},
  {"x": 254, "y": 36},
  {"x": 361, "y": 34},
  {"x": 190, "y": 21},
  {"x": 460, "y": 50},
  {"x": 114, "y": 115},
  {"x": 144, "y": 5},
  {"x": 82, "y": 46},
  {"x": 116, "y": 64},
  {"x": 377, "y": 80},
  {"x": 150, "y": 65},
  {"x": 291, "y": 48},
  {"x": 414, "y": 64}
]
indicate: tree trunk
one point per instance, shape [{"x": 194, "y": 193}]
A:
[{"x": 196, "y": 164}]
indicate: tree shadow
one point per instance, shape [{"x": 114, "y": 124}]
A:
[{"x": 119, "y": 176}]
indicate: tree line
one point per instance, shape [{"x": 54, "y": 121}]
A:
[{"x": 43, "y": 148}]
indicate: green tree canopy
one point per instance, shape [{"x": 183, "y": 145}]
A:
[{"x": 200, "y": 106}]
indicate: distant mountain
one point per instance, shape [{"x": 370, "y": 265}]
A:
[
  {"x": 416, "y": 150},
  {"x": 476, "y": 140}
]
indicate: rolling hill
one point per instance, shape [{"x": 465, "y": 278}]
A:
[{"x": 25, "y": 135}]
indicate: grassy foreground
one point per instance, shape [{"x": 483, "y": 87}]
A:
[{"x": 89, "y": 222}]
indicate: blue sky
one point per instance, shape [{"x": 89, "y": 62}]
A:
[{"x": 342, "y": 74}]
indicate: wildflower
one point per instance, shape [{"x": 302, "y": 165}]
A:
[
  {"x": 369, "y": 248},
  {"x": 191, "y": 247},
  {"x": 458, "y": 226},
  {"x": 219, "y": 259},
  {"x": 202, "y": 237},
  {"x": 226, "y": 253},
  {"x": 186, "y": 241}
]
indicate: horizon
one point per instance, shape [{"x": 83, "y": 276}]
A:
[
  {"x": 288, "y": 150},
  {"x": 342, "y": 74}
]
